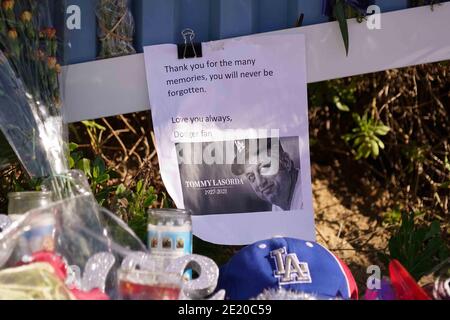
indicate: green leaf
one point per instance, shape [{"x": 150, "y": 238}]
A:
[
  {"x": 380, "y": 142},
  {"x": 356, "y": 118},
  {"x": 102, "y": 179},
  {"x": 121, "y": 189},
  {"x": 435, "y": 230},
  {"x": 445, "y": 185},
  {"x": 76, "y": 155},
  {"x": 102, "y": 195},
  {"x": 419, "y": 249},
  {"x": 71, "y": 163},
  {"x": 149, "y": 201},
  {"x": 93, "y": 124},
  {"x": 341, "y": 106},
  {"x": 365, "y": 119},
  {"x": 85, "y": 166},
  {"x": 447, "y": 163},
  {"x": 358, "y": 141},
  {"x": 95, "y": 172},
  {"x": 375, "y": 149},
  {"x": 113, "y": 174},
  {"x": 100, "y": 164},
  {"x": 339, "y": 14},
  {"x": 361, "y": 151},
  {"x": 382, "y": 130},
  {"x": 165, "y": 200},
  {"x": 139, "y": 186},
  {"x": 347, "y": 137},
  {"x": 73, "y": 147}
]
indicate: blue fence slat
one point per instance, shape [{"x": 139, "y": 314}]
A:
[
  {"x": 273, "y": 15},
  {"x": 156, "y": 22},
  {"x": 80, "y": 45},
  {"x": 233, "y": 18},
  {"x": 195, "y": 14},
  {"x": 59, "y": 11},
  {"x": 311, "y": 9},
  {"x": 392, "y": 5},
  {"x": 161, "y": 21}
]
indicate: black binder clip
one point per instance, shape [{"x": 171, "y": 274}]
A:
[
  {"x": 299, "y": 22},
  {"x": 189, "y": 49}
]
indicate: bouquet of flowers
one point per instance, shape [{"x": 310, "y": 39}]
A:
[
  {"x": 116, "y": 28},
  {"x": 30, "y": 104}
]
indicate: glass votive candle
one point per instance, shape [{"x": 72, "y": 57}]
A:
[
  {"x": 20, "y": 203},
  {"x": 149, "y": 285},
  {"x": 40, "y": 233}
]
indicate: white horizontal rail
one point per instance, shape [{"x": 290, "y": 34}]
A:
[{"x": 408, "y": 37}]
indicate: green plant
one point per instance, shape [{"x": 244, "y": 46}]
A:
[
  {"x": 99, "y": 176},
  {"x": 134, "y": 204},
  {"x": 95, "y": 132},
  {"x": 393, "y": 217},
  {"x": 418, "y": 248},
  {"x": 129, "y": 201},
  {"x": 366, "y": 135},
  {"x": 338, "y": 93}
]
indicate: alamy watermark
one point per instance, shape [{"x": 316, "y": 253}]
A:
[
  {"x": 73, "y": 21},
  {"x": 374, "y": 17},
  {"x": 260, "y": 147},
  {"x": 374, "y": 279}
]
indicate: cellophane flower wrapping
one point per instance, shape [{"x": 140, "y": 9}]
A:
[
  {"x": 115, "y": 28},
  {"x": 84, "y": 243},
  {"x": 30, "y": 102}
]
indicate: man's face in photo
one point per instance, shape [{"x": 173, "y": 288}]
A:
[{"x": 270, "y": 186}]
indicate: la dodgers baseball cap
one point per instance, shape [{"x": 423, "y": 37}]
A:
[{"x": 289, "y": 264}]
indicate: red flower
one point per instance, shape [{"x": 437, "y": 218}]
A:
[
  {"x": 50, "y": 33},
  {"x": 8, "y": 5}
]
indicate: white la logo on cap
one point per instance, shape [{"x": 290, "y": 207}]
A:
[{"x": 289, "y": 270}]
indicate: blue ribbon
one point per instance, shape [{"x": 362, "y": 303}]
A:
[{"x": 358, "y": 5}]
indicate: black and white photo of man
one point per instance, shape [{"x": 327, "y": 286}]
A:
[{"x": 280, "y": 187}]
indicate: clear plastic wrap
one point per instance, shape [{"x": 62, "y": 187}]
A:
[
  {"x": 88, "y": 242},
  {"x": 30, "y": 103},
  {"x": 89, "y": 249},
  {"x": 115, "y": 28}
]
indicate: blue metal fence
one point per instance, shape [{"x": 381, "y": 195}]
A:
[
  {"x": 80, "y": 44},
  {"x": 161, "y": 21}
]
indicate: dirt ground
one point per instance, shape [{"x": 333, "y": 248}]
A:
[{"x": 347, "y": 223}]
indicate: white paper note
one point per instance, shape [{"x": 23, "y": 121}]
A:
[{"x": 232, "y": 136}]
